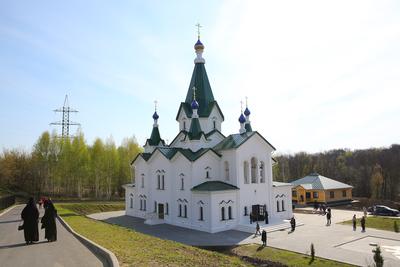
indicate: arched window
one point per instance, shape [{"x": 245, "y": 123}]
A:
[
  {"x": 162, "y": 182},
  {"x": 226, "y": 166},
  {"x": 142, "y": 180},
  {"x": 184, "y": 124},
  {"x": 208, "y": 169},
  {"x": 144, "y": 204},
  {"x": 283, "y": 205},
  {"x": 155, "y": 206},
  {"x": 262, "y": 172},
  {"x": 182, "y": 184},
  {"x": 166, "y": 209},
  {"x": 158, "y": 181},
  {"x": 245, "y": 211},
  {"x": 201, "y": 214},
  {"x": 185, "y": 211},
  {"x": 246, "y": 172},
  {"x": 277, "y": 206},
  {"x": 131, "y": 202},
  {"x": 214, "y": 125},
  {"x": 141, "y": 204},
  {"x": 230, "y": 213},
  {"x": 223, "y": 214},
  {"x": 253, "y": 170},
  {"x": 180, "y": 210}
]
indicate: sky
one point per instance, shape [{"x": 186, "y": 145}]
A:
[{"x": 318, "y": 75}]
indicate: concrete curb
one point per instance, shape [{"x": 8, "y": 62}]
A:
[
  {"x": 9, "y": 208},
  {"x": 108, "y": 256}
]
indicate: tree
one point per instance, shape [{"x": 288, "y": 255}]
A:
[{"x": 376, "y": 182}]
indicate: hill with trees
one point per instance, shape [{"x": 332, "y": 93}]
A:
[{"x": 374, "y": 172}]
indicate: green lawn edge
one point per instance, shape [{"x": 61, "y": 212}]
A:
[{"x": 376, "y": 222}]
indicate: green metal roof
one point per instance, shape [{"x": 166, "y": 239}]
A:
[
  {"x": 155, "y": 137},
  {"x": 319, "y": 182},
  {"x": 204, "y": 94},
  {"x": 169, "y": 153},
  {"x": 203, "y": 113},
  {"x": 214, "y": 186},
  {"x": 236, "y": 140},
  {"x": 247, "y": 126},
  {"x": 195, "y": 131}
]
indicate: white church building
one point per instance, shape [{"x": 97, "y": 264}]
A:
[{"x": 203, "y": 179}]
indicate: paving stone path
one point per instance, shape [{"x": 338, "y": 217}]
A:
[{"x": 67, "y": 251}]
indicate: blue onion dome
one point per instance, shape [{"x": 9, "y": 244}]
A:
[
  {"x": 155, "y": 115},
  {"x": 198, "y": 45},
  {"x": 247, "y": 112},
  {"x": 242, "y": 119},
  {"x": 195, "y": 104}
]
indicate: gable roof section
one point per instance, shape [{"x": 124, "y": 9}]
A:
[
  {"x": 236, "y": 140},
  {"x": 214, "y": 186},
  {"x": 318, "y": 182},
  {"x": 195, "y": 131},
  {"x": 170, "y": 152},
  {"x": 203, "y": 112},
  {"x": 155, "y": 138}
]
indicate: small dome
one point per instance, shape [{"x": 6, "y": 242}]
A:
[
  {"x": 155, "y": 116},
  {"x": 242, "y": 119},
  {"x": 247, "y": 112},
  {"x": 198, "y": 45},
  {"x": 195, "y": 104}
]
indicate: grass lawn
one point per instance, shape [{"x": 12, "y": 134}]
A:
[
  {"x": 84, "y": 208},
  {"x": 136, "y": 249},
  {"x": 382, "y": 223},
  {"x": 285, "y": 257}
]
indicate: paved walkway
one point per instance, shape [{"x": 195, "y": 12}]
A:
[
  {"x": 338, "y": 242},
  {"x": 67, "y": 251}
]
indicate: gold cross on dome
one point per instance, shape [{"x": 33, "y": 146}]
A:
[
  {"x": 194, "y": 93},
  {"x": 241, "y": 106},
  {"x": 246, "y": 101},
  {"x": 155, "y": 105},
  {"x": 198, "y": 30}
]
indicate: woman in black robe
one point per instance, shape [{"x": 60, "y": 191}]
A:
[
  {"x": 49, "y": 222},
  {"x": 30, "y": 215}
]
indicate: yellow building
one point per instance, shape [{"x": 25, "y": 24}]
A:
[{"x": 320, "y": 189}]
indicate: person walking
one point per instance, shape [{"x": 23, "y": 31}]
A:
[
  {"x": 293, "y": 223},
  {"x": 264, "y": 238},
  {"x": 328, "y": 217},
  {"x": 354, "y": 220},
  {"x": 49, "y": 222},
  {"x": 266, "y": 217},
  {"x": 30, "y": 216},
  {"x": 257, "y": 229},
  {"x": 362, "y": 224}
]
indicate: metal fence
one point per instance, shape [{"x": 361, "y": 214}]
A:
[{"x": 6, "y": 202}]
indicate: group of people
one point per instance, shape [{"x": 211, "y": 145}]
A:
[
  {"x": 362, "y": 223},
  {"x": 263, "y": 234},
  {"x": 30, "y": 217}
]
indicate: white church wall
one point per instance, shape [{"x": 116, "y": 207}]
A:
[
  {"x": 228, "y": 156},
  {"x": 207, "y": 124},
  {"x": 254, "y": 193},
  {"x": 201, "y": 199},
  {"x": 224, "y": 199},
  {"x": 141, "y": 186},
  {"x": 208, "y": 162},
  {"x": 282, "y": 196}
]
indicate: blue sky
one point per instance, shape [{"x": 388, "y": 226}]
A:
[{"x": 318, "y": 75}]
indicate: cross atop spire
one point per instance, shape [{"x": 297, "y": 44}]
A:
[
  {"x": 241, "y": 106},
  {"x": 246, "y": 101},
  {"x": 194, "y": 93},
  {"x": 198, "y": 30},
  {"x": 155, "y": 105}
]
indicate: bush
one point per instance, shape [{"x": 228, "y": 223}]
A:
[
  {"x": 396, "y": 227},
  {"x": 378, "y": 257}
]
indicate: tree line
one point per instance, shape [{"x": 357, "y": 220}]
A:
[
  {"x": 69, "y": 167},
  {"x": 374, "y": 173}
]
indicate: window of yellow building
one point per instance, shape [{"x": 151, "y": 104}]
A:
[
  {"x": 294, "y": 193},
  {"x": 344, "y": 193},
  {"x": 332, "y": 194},
  {"x": 315, "y": 194}
]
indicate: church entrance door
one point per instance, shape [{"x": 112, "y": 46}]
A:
[
  {"x": 160, "y": 211},
  {"x": 258, "y": 212}
]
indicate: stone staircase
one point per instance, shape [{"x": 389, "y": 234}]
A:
[{"x": 152, "y": 219}]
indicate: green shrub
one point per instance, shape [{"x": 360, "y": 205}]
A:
[{"x": 396, "y": 227}]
